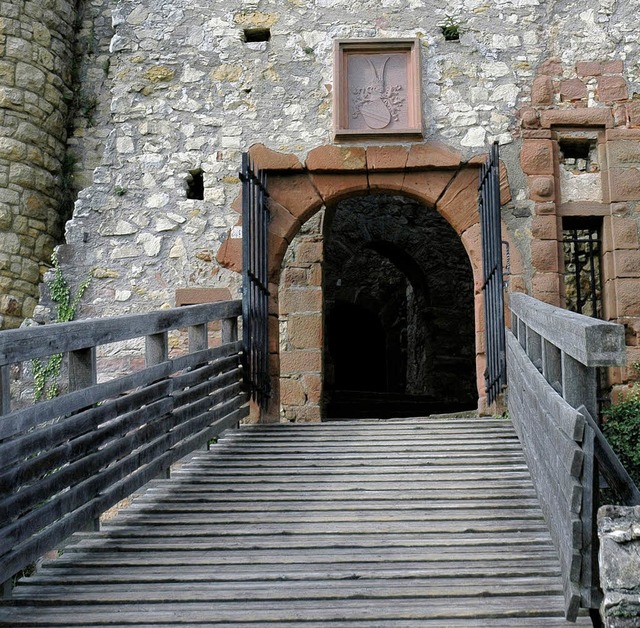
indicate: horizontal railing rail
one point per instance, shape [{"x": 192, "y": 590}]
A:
[
  {"x": 552, "y": 356},
  {"x": 65, "y": 461}
]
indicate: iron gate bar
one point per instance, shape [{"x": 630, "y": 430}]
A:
[
  {"x": 255, "y": 281},
  {"x": 493, "y": 280}
]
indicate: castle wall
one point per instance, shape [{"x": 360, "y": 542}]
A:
[
  {"x": 189, "y": 93},
  {"x": 36, "y": 50}
]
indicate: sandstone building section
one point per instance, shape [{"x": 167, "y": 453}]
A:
[{"x": 168, "y": 95}]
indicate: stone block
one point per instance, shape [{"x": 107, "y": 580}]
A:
[
  {"x": 296, "y": 193},
  {"x": 305, "y": 332},
  {"x": 386, "y": 181},
  {"x": 614, "y": 66},
  {"x": 330, "y": 158},
  {"x": 536, "y": 157},
  {"x": 551, "y": 67},
  {"x": 282, "y": 222},
  {"x": 335, "y": 187},
  {"x": 544, "y": 227},
  {"x": 292, "y": 392},
  {"x": 633, "y": 113},
  {"x": 433, "y": 155},
  {"x": 619, "y": 233},
  {"x": 277, "y": 249},
  {"x": 588, "y": 68},
  {"x": 315, "y": 275},
  {"x": 312, "y": 384},
  {"x": 309, "y": 252},
  {"x": 627, "y": 297},
  {"x": 542, "y": 91},
  {"x": 588, "y": 116},
  {"x": 427, "y": 186},
  {"x": 386, "y": 157},
  {"x": 544, "y": 255},
  {"x": 529, "y": 118},
  {"x": 546, "y": 283},
  {"x": 459, "y": 203},
  {"x": 572, "y": 89},
  {"x": 229, "y": 254},
  {"x": 267, "y": 159},
  {"x": 612, "y": 88},
  {"x": 543, "y": 209},
  {"x": 542, "y": 189},
  {"x": 298, "y": 300},
  {"x": 301, "y": 361},
  {"x": 623, "y": 153},
  {"x": 627, "y": 263}
]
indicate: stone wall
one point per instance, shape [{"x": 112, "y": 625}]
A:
[
  {"x": 36, "y": 46},
  {"x": 185, "y": 87},
  {"x": 619, "y": 535}
]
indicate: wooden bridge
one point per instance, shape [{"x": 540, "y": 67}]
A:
[
  {"x": 362, "y": 523},
  {"x": 402, "y": 523}
]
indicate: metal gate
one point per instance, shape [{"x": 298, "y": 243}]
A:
[
  {"x": 255, "y": 281},
  {"x": 495, "y": 375}
]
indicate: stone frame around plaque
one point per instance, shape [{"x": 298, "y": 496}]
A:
[{"x": 377, "y": 89}]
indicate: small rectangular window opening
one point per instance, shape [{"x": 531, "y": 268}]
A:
[
  {"x": 582, "y": 259},
  {"x": 195, "y": 185},
  {"x": 250, "y": 35},
  {"x": 579, "y": 154}
]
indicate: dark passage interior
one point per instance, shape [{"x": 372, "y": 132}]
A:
[{"x": 399, "y": 316}]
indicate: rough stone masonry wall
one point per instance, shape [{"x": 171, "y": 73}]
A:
[
  {"x": 188, "y": 94},
  {"x": 36, "y": 48},
  {"x": 619, "y": 535}
]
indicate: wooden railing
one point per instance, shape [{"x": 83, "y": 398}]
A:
[
  {"x": 65, "y": 461},
  {"x": 552, "y": 356}
]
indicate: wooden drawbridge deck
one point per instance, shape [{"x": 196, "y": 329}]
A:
[{"x": 400, "y": 523}]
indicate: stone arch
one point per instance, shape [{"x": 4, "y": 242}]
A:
[{"x": 431, "y": 173}]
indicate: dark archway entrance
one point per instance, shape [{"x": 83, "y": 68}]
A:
[{"x": 399, "y": 313}]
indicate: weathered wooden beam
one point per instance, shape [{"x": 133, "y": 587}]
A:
[
  {"x": 590, "y": 341},
  {"x": 18, "y": 345}
]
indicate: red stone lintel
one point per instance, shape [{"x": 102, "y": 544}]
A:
[
  {"x": 587, "y": 116},
  {"x": 583, "y": 208}
]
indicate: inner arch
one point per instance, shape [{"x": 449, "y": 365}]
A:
[{"x": 399, "y": 315}]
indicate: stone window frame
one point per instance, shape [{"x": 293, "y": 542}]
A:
[{"x": 342, "y": 49}]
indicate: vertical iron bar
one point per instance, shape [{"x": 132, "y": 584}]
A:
[
  {"x": 255, "y": 290},
  {"x": 493, "y": 281}
]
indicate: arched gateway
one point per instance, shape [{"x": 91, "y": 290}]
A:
[{"x": 304, "y": 199}]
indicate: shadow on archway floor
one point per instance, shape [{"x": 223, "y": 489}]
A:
[{"x": 346, "y": 404}]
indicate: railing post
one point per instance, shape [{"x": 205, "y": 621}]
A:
[
  {"x": 82, "y": 368},
  {"x": 156, "y": 348},
  {"x": 156, "y": 351},
  {"x": 579, "y": 384},
  {"x": 229, "y": 330},
  {"x": 5, "y": 408},
  {"x": 552, "y": 365},
  {"x": 534, "y": 348},
  {"x": 5, "y": 390},
  {"x": 82, "y": 374},
  {"x": 198, "y": 338}
]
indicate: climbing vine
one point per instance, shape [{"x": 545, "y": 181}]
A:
[{"x": 47, "y": 372}]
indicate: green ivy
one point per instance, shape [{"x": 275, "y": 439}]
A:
[
  {"x": 622, "y": 430},
  {"x": 46, "y": 373}
]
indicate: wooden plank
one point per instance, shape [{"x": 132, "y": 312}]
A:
[
  {"x": 19, "y": 345},
  {"x": 134, "y": 473},
  {"x": 44, "y": 440},
  {"x": 70, "y": 403},
  {"x": 196, "y": 391}
]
